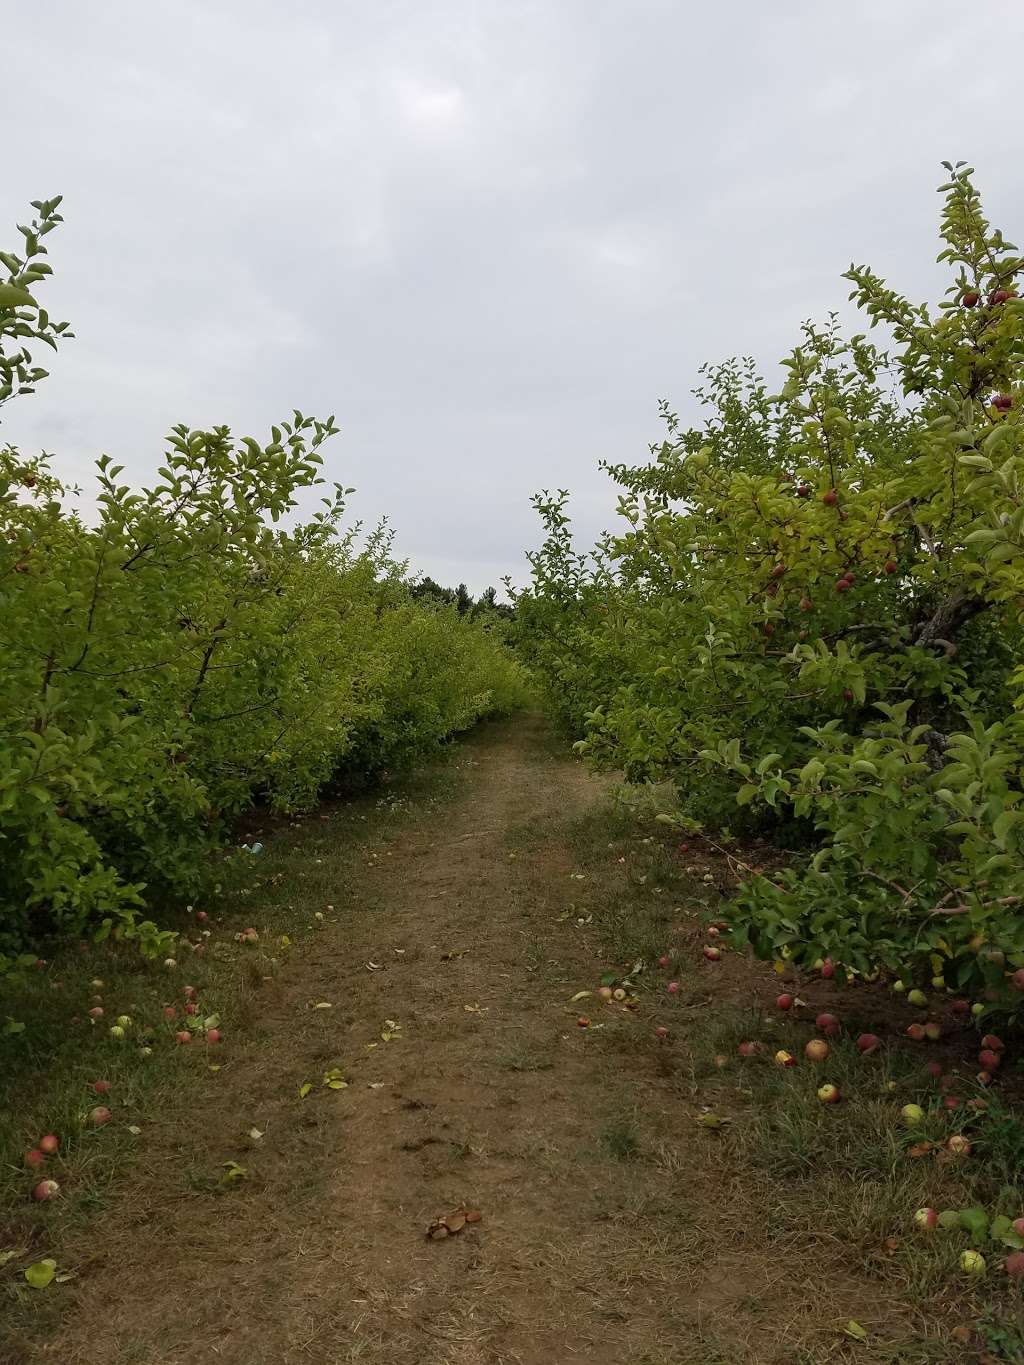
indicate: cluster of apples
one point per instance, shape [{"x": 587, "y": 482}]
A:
[
  {"x": 815, "y": 1050},
  {"x": 190, "y": 1010},
  {"x": 49, "y": 1145},
  {"x": 122, "y": 1025},
  {"x": 957, "y": 1145},
  {"x": 1010, "y": 1232},
  {"x": 712, "y": 951},
  {"x": 611, "y": 995}
]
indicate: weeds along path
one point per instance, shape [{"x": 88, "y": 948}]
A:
[{"x": 612, "y": 1228}]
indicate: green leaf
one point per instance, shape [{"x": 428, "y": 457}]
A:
[
  {"x": 13, "y": 297},
  {"x": 975, "y": 1222}
]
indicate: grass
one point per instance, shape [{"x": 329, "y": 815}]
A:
[
  {"x": 622, "y": 1141},
  {"x": 48, "y": 1067},
  {"x": 832, "y": 1188}
]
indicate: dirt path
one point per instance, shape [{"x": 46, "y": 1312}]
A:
[
  {"x": 617, "y": 1226},
  {"x": 487, "y": 1092}
]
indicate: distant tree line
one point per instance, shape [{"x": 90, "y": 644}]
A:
[{"x": 461, "y": 599}]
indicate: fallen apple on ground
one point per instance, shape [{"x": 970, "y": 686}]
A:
[
  {"x": 912, "y": 1115},
  {"x": 816, "y": 1050},
  {"x": 868, "y": 1043},
  {"x": 958, "y": 1145},
  {"x": 100, "y": 1115},
  {"x": 973, "y": 1263},
  {"x": 35, "y": 1158},
  {"x": 828, "y": 1094},
  {"x": 784, "y": 1002},
  {"x": 784, "y": 1058},
  {"x": 49, "y": 1144},
  {"x": 46, "y": 1189},
  {"x": 926, "y": 1219},
  {"x": 827, "y": 1024}
]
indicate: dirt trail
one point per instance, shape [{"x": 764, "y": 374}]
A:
[
  {"x": 488, "y": 1092},
  {"x": 616, "y": 1225}
]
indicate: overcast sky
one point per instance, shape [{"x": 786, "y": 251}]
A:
[{"x": 486, "y": 236}]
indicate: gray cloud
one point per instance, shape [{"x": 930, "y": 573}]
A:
[{"x": 487, "y": 236}]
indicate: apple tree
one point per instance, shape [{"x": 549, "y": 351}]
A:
[{"x": 813, "y": 623}]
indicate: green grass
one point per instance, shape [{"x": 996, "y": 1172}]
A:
[{"x": 622, "y": 1141}]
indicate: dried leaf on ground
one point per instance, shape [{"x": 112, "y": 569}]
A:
[{"x": 451, "y": 1223}]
